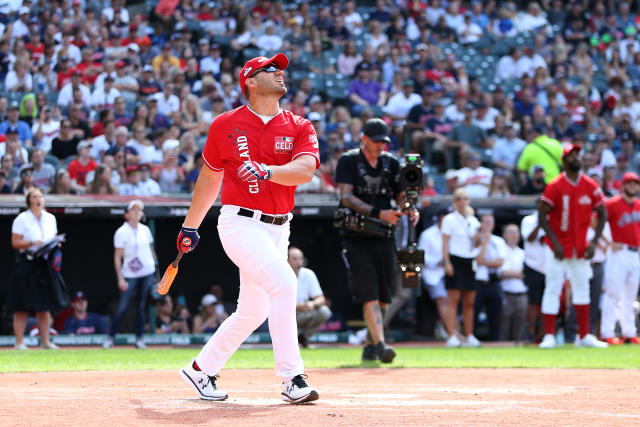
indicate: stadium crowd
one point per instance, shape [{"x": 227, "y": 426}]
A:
[{"x": 98, "y": 98}]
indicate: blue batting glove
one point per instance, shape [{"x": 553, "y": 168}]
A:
[{"x": 187, "y": 239}]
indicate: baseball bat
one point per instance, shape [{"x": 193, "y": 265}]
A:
[{"x": 169, "y": 275}]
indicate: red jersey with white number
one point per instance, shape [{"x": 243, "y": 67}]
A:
[
  {"x": 572, "y": 205},
  {"x": 240, "y": 135},
  {"x": 624, "y": 219}
]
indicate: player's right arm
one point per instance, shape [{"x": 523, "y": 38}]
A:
[{"x": 205, "y": 194}]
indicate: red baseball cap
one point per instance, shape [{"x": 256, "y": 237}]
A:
[
  {"x": 630, "y": 176},
  {"x": 280, "y": 59},
  {"x": 568, "y": 149}
]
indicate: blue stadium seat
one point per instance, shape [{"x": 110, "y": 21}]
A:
[{"x": 52, "y": 160}]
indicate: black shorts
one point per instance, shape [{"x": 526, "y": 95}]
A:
[
  {"x": 464, "y": 278},
  {"x": 535, "y": 284},
  {"x": 371, "y": 265}
]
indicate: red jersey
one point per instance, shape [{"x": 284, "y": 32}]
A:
[
  {"x": 79, "y": 172},
  {"x": 240, "y": 135},
  {"x": 624, "y": 219},
  {"x": 572, "y": 204}
]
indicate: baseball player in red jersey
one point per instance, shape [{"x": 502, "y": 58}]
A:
[
  {"x": 622, "y": 275},
  {"x": 564, "y": 212},
  {"x": 262, "y": 152}
]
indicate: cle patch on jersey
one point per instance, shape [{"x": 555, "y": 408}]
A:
[{"x": 283, "y": 144}]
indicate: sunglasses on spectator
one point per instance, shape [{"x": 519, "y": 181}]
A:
[
  {"x": 268, "y": 69},
  {"x": 457, "y": 199}
]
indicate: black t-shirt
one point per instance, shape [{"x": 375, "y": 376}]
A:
[
  {"x": 419, "y": 114},
  {"x": 377, "y": 186},
  {"x": 64, "y": 148}
]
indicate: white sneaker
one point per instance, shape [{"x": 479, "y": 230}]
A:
[
  {"x": 471, "y": 341},
  {"x": 548, "y": 341},
  {"x": 108, "y": 343},
  {"x": 590, "y": 340},
  {"x": 21, "y": 347},
  {"x": 453, "y": 341},
  {"x": 203, "y": 384},
  {"x": 296, "y": 390},
  {"x": 140, "y": 345},
  {"x": 51, "y": 346}
]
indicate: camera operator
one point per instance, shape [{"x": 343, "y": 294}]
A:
[{"x": 367, "y": 180}]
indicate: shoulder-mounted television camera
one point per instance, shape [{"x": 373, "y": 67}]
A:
[{"x": 410, "y": 258}]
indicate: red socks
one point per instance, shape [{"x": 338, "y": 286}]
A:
[
  {"x": 549, "y": 324},
  {"x": 195, "y": 366},
  {"x": 582, "y": 316}
]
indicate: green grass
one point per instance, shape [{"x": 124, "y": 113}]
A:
[{"x": 621, "y": 357}]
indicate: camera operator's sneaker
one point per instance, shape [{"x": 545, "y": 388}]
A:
[
  {"x": 140, "y": 345},
  {"x": 369, "y": 353},
  {"x": 108, "y": 343},
  {"x": 296, "y": 390},
  {"x": 386, "y": 353},
  {"x": 548, "y": 341},
  {"x": 471, "y": 341},
  {"x": 590, "y": 340},
  {"x": 453, "y": 341},
  {"x": 204, "y": 385}
]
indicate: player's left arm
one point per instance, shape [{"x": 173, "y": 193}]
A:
[{"x": 296, "y": 172}]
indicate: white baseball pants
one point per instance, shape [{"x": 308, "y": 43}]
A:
[
  {"x": 621, "y": 280},
  {"x": 579, "y": 272},
  {"x": 268, "y": 288}
]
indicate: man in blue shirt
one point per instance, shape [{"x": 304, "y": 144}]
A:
[
  {"x": 24, "y": 131},
  {"x": 82, "y": 321}
]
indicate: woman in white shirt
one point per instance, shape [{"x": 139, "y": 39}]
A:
[
  {"x": 459, "y": 240},
  {"x": 135, "y": 263},
  {"x": 29, "y": 230}
]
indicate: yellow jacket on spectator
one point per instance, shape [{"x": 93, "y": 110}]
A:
[
  {"x": 544, "y": 151},
  {"x": 157, "y": 61}
]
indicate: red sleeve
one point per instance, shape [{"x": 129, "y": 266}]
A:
[
  {"x": 306, "y": 142},
  {"x": 211, "y": 152},
  {"x": 73, "y": 170},
  {"x": 550, "y": 194}
]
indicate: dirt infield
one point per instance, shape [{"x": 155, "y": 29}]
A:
[{"x": 359, "y": 397}]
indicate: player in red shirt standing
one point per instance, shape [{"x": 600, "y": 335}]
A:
[
  {"x": 564, "y": 211},
  {"x": 623, "y": 263},
  {"x": 263, "y": 153}
]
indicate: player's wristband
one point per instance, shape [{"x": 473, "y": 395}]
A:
[{"x": 375, "y": 212}]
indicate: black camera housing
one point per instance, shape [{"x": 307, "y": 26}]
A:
[{"x": 410, "y": 258}]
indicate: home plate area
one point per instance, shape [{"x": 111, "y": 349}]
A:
[{"x": 377, "y": 396}]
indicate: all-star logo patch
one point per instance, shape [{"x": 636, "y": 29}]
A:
[
  {"x": 584, "y": 200},
  {"x": 247, "y": 71},
  {"x": 283, "y": 144}
]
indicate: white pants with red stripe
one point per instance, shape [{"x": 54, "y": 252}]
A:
[
  {"x": 621, "y": 280},
  {"x": 579, "y": 272},
  {"x": 268, "y": 288}
]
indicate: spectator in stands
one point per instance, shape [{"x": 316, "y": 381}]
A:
[
  {"x": 65, "y": 97},
  {"x": 5, "y": 188},
  {"x": 26, "y": 180},
  {"x": 148, "y": 85},
  {"x": 13, "y": 148},
  {"x": 166, "y": 322},
  {"x": 469, "y": 32},
  {"x": 168, "y": 102},
  {"x": 491, "y": 256},
  {"x": 169, "y": 175},
  {"x": 121, "y": 135},
  {"x": 43, "y": 173},
  {"x": 193, "y": 117},
  {"x": 507, "y": 149},
  {"x": 463, "y": 137},
  {"x": 135, "y": 263},
  {"x": 165, "y": 57},
  {"x": 311, "y": 309},
  {"x": 132, "y": 186},
  {"x": 80, "y": 166},
  {"x": 460, "y": 236},
  {"x": 348, "y": 59},
  {"x": 26, "y": 293},
  {"x": 475, "y": 179},
  {"x": 400, "y": 103},
  {"x": 536, "y": 183},
  {"x": 45, "y": 129},
  {"x": 62, "y": 183},
  {"x": 514, "y": 307},
  {"x": 104, "y": 97},
  {"x": 208, "y": 319},
  {"x": 83, "y": 321},
  {"x": 13, "y": 121},
  {"x": 100, "y": 144},
  {"x": 19, "y": 79},
  {"x": 269, "y": 40},
  {"x": 500, "y": 186},
  {"x": 100, "y": 182},
  {"x": 11, "y": 172},
  {"x": 149, "y": 187},
  {"x": 365, "y": 92},
  {"x": 540, "y": 150},
  {"x": 125, "y": 81}
]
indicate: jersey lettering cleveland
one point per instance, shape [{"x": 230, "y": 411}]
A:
[
  {"x": 240, "y": 135},
  {"x": 624, "y": 219}
]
